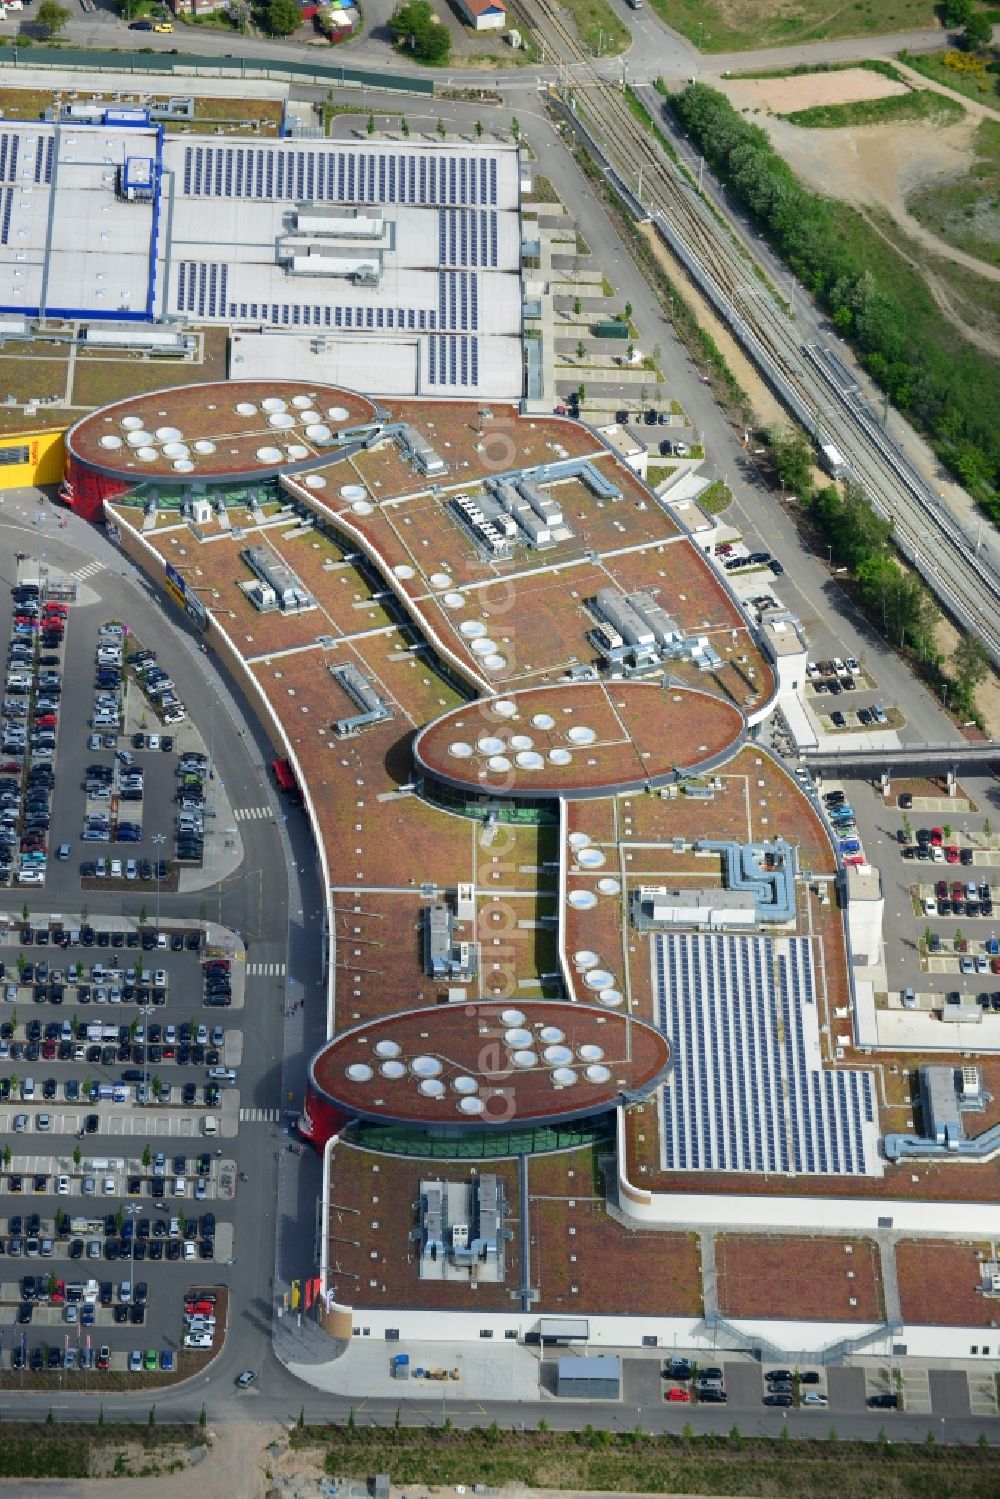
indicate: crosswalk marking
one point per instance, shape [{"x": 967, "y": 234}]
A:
[
  {"x": 269, "y": 970},
  {"x": 259, "y": 1116},
  {"x": 245, "y": 814},
  {"x": 87, "y": 571}
]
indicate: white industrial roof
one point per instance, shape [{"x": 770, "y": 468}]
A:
[{"x": 430, "y": 266}]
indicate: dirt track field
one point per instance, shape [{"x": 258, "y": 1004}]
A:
[{"x": 782, "y": 96}]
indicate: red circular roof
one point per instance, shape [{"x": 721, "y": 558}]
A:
[
  {"x": 579, "y": 738},
  {"x": 490, "y": 1064},
  {"x": 296, "y": 416}
]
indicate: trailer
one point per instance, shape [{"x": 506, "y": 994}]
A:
[{"x": 611, "y": 329}]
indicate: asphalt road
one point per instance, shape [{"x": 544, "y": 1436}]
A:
[
  {"x": 809, "y": 587},
  {"x": 656, "y": 50}
]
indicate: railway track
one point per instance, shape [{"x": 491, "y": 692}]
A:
[{"x": 819, "y": 389}]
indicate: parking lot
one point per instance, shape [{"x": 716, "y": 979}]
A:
[
  {"x": 118, "y": 1095},
  {"x": 745, "y": 1384},
  {"x": 119, "y": 1101}
]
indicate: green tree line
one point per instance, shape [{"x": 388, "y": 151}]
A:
[
  {"x": 894, "y": 598},
  {"x": 939, "y": 387}
]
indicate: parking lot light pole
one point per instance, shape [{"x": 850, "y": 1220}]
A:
[
  {"x": 157, "y": 840},
  {"x": 133, "y": 1209}
]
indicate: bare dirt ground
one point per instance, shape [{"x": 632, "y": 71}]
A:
[
  {"x": 782, "y": 96},
  {"x": 988, "y": 693},
  {"x": 879, "y": 165},
  {"x": 766, "y": 407},
  {"x": 235, "y": 1464}
]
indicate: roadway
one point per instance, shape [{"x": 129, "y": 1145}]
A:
[
  {"x": 656, "y": 50},
  {"x": 723, "y": 268}
]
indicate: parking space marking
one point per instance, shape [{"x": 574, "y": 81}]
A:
[
  {"x": 243, "y": 814},
  {"x": 259, "y": 1116},
  {"x": 916, "y": 1391},
  {"x": 258, "y": 970},
  {"x": 982, "y": 1392}
]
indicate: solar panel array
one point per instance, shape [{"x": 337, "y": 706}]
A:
[
  {"x": 468, "y": 236},
  {"x": 10, "y": 146},
  {"x": 745, "y": 1095},
  {"x": 44, "y": 158},
  {"x": 39, "y": 170},
  {"x": 202, "y": 289},
  {"x": 7, "y": 199},
  {"x": 324, "y": 174},
  {"x": 452, "y": 361}
]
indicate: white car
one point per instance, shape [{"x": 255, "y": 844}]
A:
[
  {"x": 190, "y": 1250},
  {"x": 930, "y": 906},
  {"x": 175, "y": 715},
  {"x": 110, "y": 1186},
  {"x": 62, "y": 1185},
  {"x": 153, "y": 742},
  {"x": 198, "y": 1340},
  {"x": 160, "y": 978},
  {"x": 813, "y": 1397}
]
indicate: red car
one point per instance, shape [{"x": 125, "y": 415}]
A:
[
  {"x": 199, "y": 1308},
  {"x": 941, "y": 889},
  {"x": 958, "y": 891},
  {"x": 678, "y": 1396},
  {"x": 855, "y": 860},
  {"x": 54, "y": 608},
  {"x": 995, "y": 965},
  {"x": 951, "y": 854},
  {"x": 937, "y": 837},
  {"x": 59, "y": 1294},
  {"x": 46, "y": 721},
  {"x": 104, "y": 1358}
]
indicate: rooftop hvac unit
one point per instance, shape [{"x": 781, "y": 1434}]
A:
[
  {"x": 263, "y": 597},
  {"x": 972, "y": 1083}
]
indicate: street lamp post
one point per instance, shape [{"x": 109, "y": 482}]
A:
[
  {"x": 132, "y": 1209},
  {"x": 158, "y": 839}
]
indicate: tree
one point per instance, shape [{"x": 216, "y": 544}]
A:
[
  {"x": 416, "y": 28},
  {"x": 479, "y": 130},
  {"x": 371, "y": 124},
  {"x": 970, "y": 664},
  {"x": 52, "y": 16},
  {"x": 581, "y": 394},
  {"x": 977, "y": 33},
  {"x": 957, "y": 12},
  {"x": 515, "y": 128},
  {"x": 441, "y": 128},
  {"x": 77, "y": 1155},
  {"x": 628, "y": 312},
  {"x": 147, "y": 1155},
  {"x": 405, "y": 128},
  {"x": 793, "y": 460},
  {"x": 282, "y": 17},
  {"x": 577, "y": 306},
  {"x": 580, "y": 350}
]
